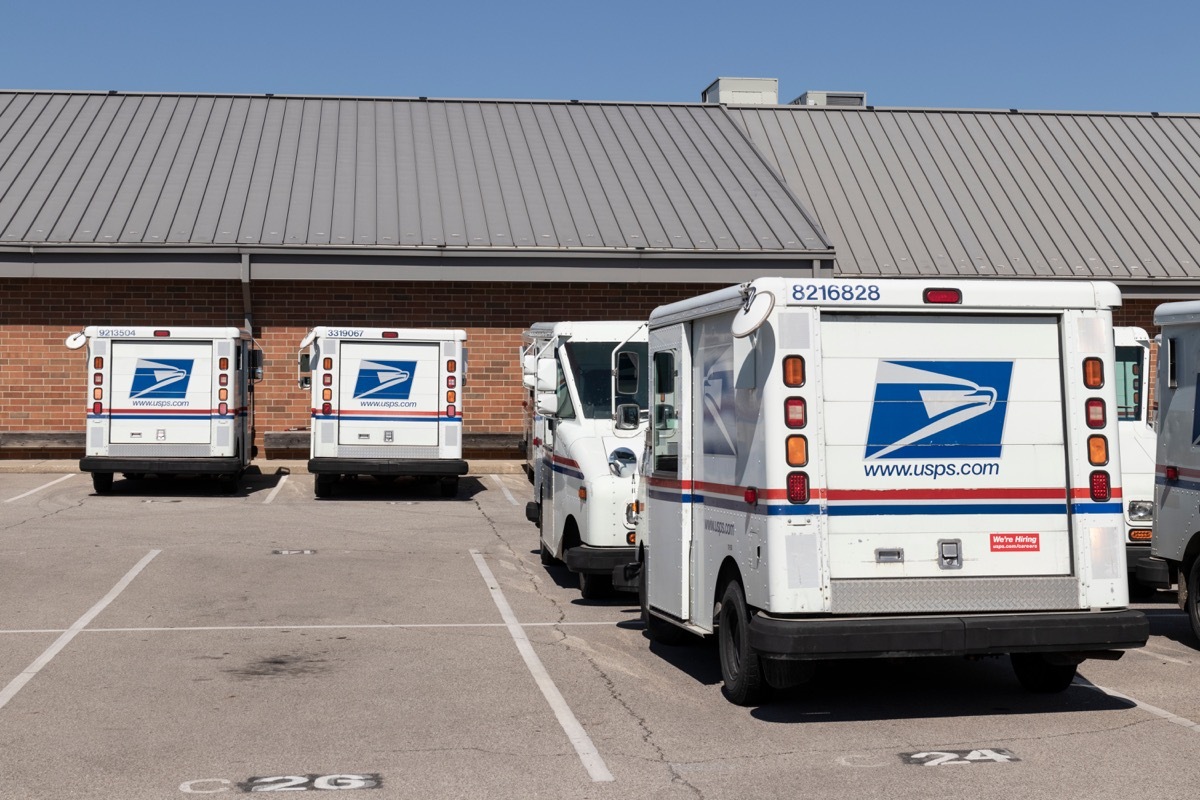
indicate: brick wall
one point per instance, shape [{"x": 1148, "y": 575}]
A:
[{"x": 43, "y": 385}]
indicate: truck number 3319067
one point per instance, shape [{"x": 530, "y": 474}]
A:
[{"x": 836, "y": 293}]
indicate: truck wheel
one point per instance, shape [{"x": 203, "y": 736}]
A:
[
  {"x": 741, "y": 668},
  {"x": 659, "y": 630},
  {"x": 450, "y": 487},
  {"x": 1037, "y": 674},
  {"x": 1193, "y": 598},
  {"x": 323, "y": 485},
  {"x": 102, "y": 482},
  {"x": 595, "y": 587}
]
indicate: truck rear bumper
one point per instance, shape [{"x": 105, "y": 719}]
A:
[
  {"x": 438, "y": 467},
  {"x": 217, "y": 465},
  {"x": 600, "y": 560},
  {"x": 1083, "y": 632}
]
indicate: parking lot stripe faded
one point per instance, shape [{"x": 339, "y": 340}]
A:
[
  {"x": 1175, "y": 719},
  {"x": 38, "y": 489},
  {"x": 578, "y": 737},
  {"x": 500, "y": 482},
  {"x": 275, "y": 491},
  {"x": 17, "y": 683}
]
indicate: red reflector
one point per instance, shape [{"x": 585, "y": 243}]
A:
[
  {"x": 223, "y": 409},
  {"x": 797, "y": 487},
  {"x": 950, "y": 296},
  {"x": 1100, "y": 487},
  {"x": 450, "y": 411},
  {"x": 97, "y": 408},
  {"x": 795, "y": 412},
  {"x": 98, "y": 378},
  {"x": 751, "y": 496},
  {"x": 1172, "y": 473},
  {"x": 450, "y": 381},
  {"x": 326, "y": 408},
  {"x": 537, "y": 441},
  {"x": 391, "y": 335},
  {"x": 1096, "y": 417},
  {"x": 162, "y": 333}
]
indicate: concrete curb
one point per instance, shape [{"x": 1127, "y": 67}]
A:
[{"x": 263, "y": 466}]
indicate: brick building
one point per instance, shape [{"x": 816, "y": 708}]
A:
[{"x": 288, "y": 212}]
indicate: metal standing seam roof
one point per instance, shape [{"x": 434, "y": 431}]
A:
[
  {"x": 968, "y": 193},
  {"x": 86, "y": 169}
]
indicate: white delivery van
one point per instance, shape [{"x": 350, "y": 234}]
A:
[
  {"x": 168, "y": 401},
  {"x": 385, "y": 402},
  {"x": 1135, "y": 428},
  {"x": 591, "y": 389},
  {"x": 534, "y": 342},
  {"x": 1176, "y": 544},
  {"x": 868, "y": 468}
]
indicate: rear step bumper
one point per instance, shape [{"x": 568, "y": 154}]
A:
[
  {"x": 223, "y": 465},
  {"x": 441, "y": 467},
  {"x": 1083, "y": 632}
]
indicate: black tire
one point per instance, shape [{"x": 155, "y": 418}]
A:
[
  {"x": 1039, "y": 675},
  {"x": 323, "y": 485},
  {"x": 594, "y": 586},
  {"x": 546, "y": 556},
  {"x": 1193, "y": 598},
  {"x": 102, "y": 482},
  {"x": 741, "y": 668},
  {"x": 450, "y": 487}
]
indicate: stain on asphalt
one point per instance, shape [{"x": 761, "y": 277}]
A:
[{"x": 283, "y": 666}]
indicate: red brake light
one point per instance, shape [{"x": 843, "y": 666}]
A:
[
  {"x": 944, "y": 296},
  {"x": 162, "y": 333},
  {"x": 326, "y": 408},
  {"x": 391, "y": 335},
  {"x": 98, "y": 378},
  {"x": 450, "y": 411},
  {"x": 327, "y": 379},
  {"x": 1096, "y": 416},
  {"x": 1100, "y": 486},
  {"x": 795, "y": 412},
  {"x": 797, "y": 487},
  {"x": 223, "y": 409},
  {"x": 97, "y": 408},
  {"x": 450, "y": 381},
  {"x": 222, "y": 379}
]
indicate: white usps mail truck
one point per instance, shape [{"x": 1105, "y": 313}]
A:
[
  {"x": 870, "y": 468},
  {"x": 592, "y": 392},
  {"x": 534, "y": 343},
  {"x": 168, "y": 401},
  {"x": 1136, "y": 430},
  {"x": 386, "y": 402},
  {"x": 1176, "y": 544}
]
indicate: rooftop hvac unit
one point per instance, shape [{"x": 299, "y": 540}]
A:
[
  {"x": 742, "y": 92},
  {"x": 843, "y": 99}
]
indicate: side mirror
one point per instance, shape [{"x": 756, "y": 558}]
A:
[
  {"x": 547, "y": 376},
  {"x": 256, "y": 364},
  {"x": 628, "y": 417},
  {"x": 664, "y": 417},
  {"x": 622, "y": 461},
  {"x": 547, "y": 404},
  {"x": 304, "y": 368}
]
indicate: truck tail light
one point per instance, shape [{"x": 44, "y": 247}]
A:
[
  {"x": 943, "y": 296},
  {"x": 327, "y": 379},
  {"x": 795, "y": 412},
  {"x": 223, "y": 409},
  {"x": 797, "y": 487},
  {"x": 1101, "y": 490},
  {"x": 98, "y": 378},
  {"x": 97, "y": 408},
  {"x": 391, "y": 335},
  {"x": 450, "y": 381},
  {"x": 326, "y": 408},
  {"x": 162, "y": 333},
  {"x": 1093, "y": 373},
  {"x": 223, "y": 379},
  {"x": 451, "y": 411},
  {"x": 793, "y": 371},
  {"x": 1097, "y": 451},
  {"x": 797, "y": 451},
  {"x": 1096, "y": 416}
]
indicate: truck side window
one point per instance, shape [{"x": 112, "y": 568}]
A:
[
  {"x": 1172, "y": 375},
  {"x": 666, "y": 416},
  {"x": 566, "y": 410}
]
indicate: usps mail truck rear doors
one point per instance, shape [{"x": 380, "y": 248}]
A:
[
  {"x": 389, "y": 393},
  {"x": 162, "y": 392}
]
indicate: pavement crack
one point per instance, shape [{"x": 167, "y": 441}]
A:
[{"x": 521, "y": 564}]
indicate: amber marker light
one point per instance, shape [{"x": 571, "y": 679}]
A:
[
  {"x": 1093, "y": 373},
  {"x": 1097, "y": 451}
]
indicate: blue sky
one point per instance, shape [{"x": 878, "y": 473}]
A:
[{"x": 1099, "y": 55}]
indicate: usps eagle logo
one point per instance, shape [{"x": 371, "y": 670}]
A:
[
  {"x": 939, "y": 409},
  {"x": 161, "y": 378},
  {"x": 384, "y": 380}
]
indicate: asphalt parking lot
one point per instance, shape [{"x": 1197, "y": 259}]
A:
[{"x": 166, "y": 641}]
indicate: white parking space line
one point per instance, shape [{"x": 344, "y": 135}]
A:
[
  {"x": 578, "y": 737},
  {"x": 275, "y": 491},
  {"x": 17, "y": 683},
  {"x": 500, "y": 482},
  {"x": 376, "y": 625},
  {"x": 1157, "y": 656},
  {"x": 1182, "y": 722},
  {"x": 38, "y": 489}
]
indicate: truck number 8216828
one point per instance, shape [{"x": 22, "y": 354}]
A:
[{"x": 836, "y": 293}]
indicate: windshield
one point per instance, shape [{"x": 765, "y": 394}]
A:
[
  {"x": 591, "y": 368},
  {"x": 1129, "y": 383}
]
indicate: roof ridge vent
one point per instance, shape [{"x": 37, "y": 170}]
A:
[{"x": 840, "y": 99}]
